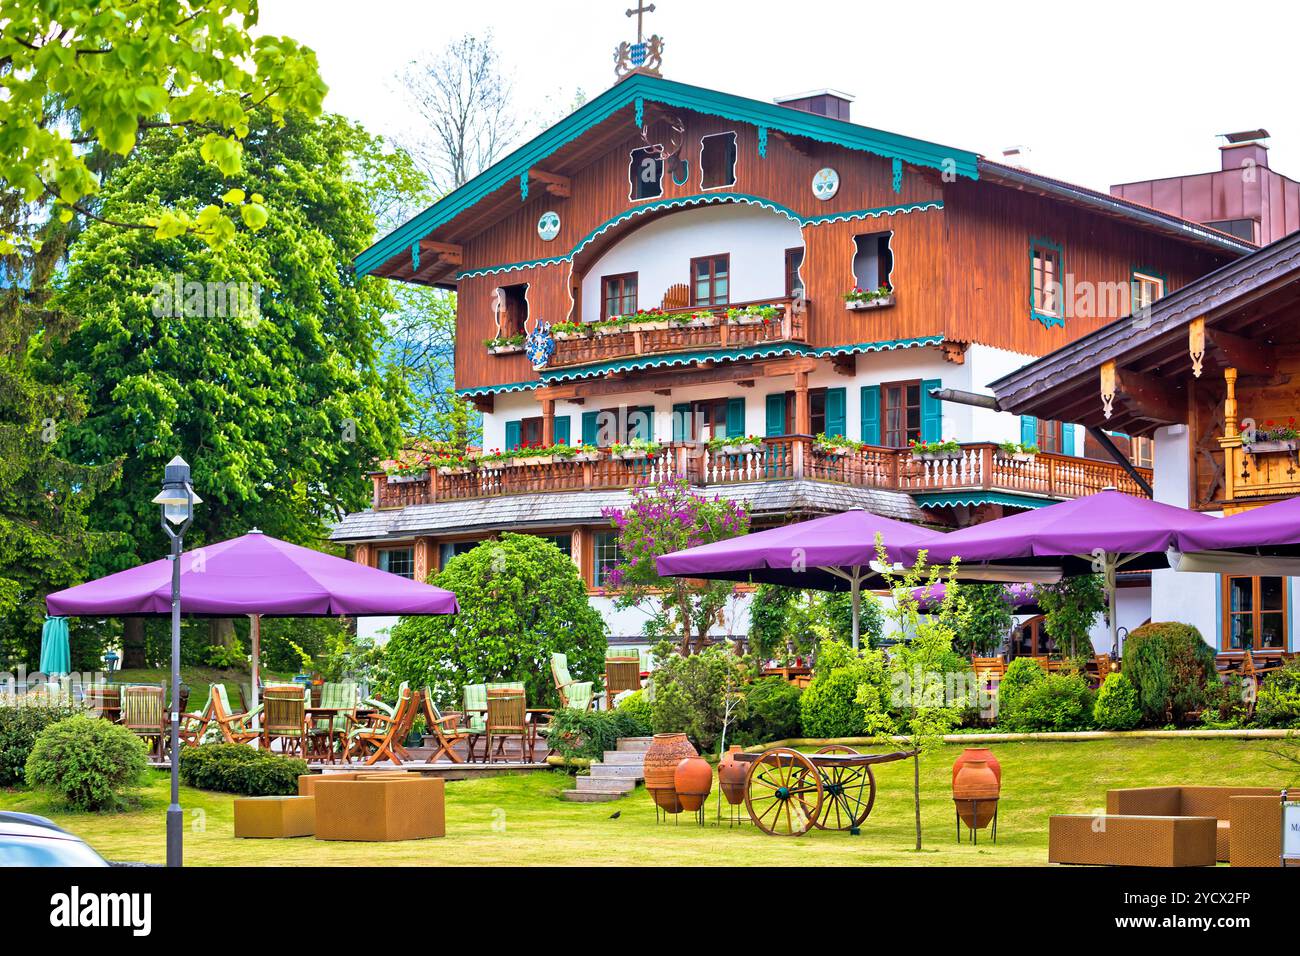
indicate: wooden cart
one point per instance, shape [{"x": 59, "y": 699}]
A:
[{"x": 788, "y": 793}]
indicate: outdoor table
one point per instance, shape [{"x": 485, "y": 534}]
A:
[
  {"x": 787, "y": 792},
  {"x": 328, "y": 714}
]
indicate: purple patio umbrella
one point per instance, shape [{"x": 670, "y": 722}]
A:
[
  {"x": 1100, "y": 533},
  {"x": 834, "y": 553},
  {"x": 255, "y": 575},
  {"x": 1264, "y": 540},
  {"x": 1020, "y": 598}
]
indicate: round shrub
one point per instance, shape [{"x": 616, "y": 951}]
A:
[
  {"x": 1022, "y": 673},
  {"x": 772, "y": 711},
  {"x": 636, "y": 706},
  {"x": 1171, "y": 667},
  {"x": 19, "y": 725},
  {"x": 88, "y": 761},
  {"x": 1277, "y": 702},
  {"x": 1117, "y": 704},
  {"x": 1058, "y": 702},
  {"x": 829, "y": 706},
  {"x": 236, "y": 768}
]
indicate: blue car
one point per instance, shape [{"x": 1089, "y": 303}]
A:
[{"x": 29, "y": 840}]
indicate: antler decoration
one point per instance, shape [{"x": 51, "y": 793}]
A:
[{"x": 671, "y": 154}]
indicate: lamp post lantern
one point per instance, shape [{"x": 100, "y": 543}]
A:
[{"x": 177, "y": 499}]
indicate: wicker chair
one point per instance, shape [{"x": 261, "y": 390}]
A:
[
  {"x": 448, "y": 730},
  {"x": 507, "y": 716},
  {"x": 143, "y": 715},
  {"x": 285, "y": 718}
]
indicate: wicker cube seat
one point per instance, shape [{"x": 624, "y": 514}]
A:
[
  {"x": 274, "y": 817},
  {"x": 1185, "y": 802},
  {"x": 1256, "y": 830},
  {"x": 371, "y": 809},
  {"x": 1166, "y": 841}
]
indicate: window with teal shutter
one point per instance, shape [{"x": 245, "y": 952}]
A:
[
  {"x": 1067, "y": 440},
  {"x": 513, "y": 434},
  {"x": 871, "y": 414},
  {"x": 735, "y": 417},
  {"x": 682, "y": 422},
  {"x": 1028, "y": 430},
  {"x": 931, "y": 411},
  {"x": 775, "y": 415},
  {"x": 641, "y": 423},
  {"x": 835, "y": 412},
  {"x": 590, "y": 427},
  {"x": 562, "y": 430}
]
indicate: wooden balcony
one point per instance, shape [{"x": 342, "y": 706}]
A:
[
  {"x": 978, "y": 467},
  {"x": 789, "y": 326}
]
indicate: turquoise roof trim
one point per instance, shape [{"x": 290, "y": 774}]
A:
[
  {"x": 497, "y": 389},
  {"x": 972, "y": 498},
  {"x": 769, "y": 350},
  {"x": 658, "y": 90},
  {"x": 703, "y": 199}
]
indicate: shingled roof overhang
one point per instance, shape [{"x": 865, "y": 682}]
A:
[
  {"x": 1250, "y": 297},
  {"x": 640, "y": 91}
]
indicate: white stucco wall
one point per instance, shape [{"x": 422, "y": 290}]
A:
[{"x": 661, "y": 251}]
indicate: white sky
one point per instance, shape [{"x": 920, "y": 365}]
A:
[{"x": 1101, "y": 92}]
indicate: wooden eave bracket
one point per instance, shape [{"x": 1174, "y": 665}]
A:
[
  {"x": 1245, "y": 355},
  {"x": 556, "y": 185}
]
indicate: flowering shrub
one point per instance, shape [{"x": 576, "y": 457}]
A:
[
  {"x": 767, "y": 313},
  {"x": 662, "y": 519},
  {"x": 1272, "y": 431},
  {"x": 824, "y": 443},
  {"x": 935, "y": 447},
  {"x": 733, "y": 441},
  {"x": 502, "y": 341}
]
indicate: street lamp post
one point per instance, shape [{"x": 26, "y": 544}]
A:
[{"x": 177, "y": 499}]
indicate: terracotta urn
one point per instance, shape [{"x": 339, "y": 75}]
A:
[
  {"x": 975, "y": 790},
  {"x": 731, "y": 776},
  {"x": 978, "y": 753},
  {"x": 693, "y": 781},
  {"x": 661, "y": 760}
]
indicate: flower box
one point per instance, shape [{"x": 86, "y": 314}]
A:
[
  {"x": 748, "y": 320},
  {"x": 647, "y": 326},
  {"x": 496, "y": 464},
  {"x": 1272, "y": 447},
  {"x": 633, "y": 454},
  {"x": 1023, "y": 457},
  {"x": 880, "y": 302},
  {"x": 505, "y": 349},
  {"x": 566, "y": 336},
  {"x": 587, "y": 456},
  {"x": 834, "y": 451},
  {"x": 936, "y": 455},
  {"x": 610, "y": 329},
  {"x": 408, "y": 479},
  {"x": 448, "y": 470},
  {"x": 744, "y": 448}
]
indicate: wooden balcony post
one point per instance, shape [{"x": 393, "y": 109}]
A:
[
  {"x": 433, "y": 484},
  {"x": 802, "y": 408},
  {"x": 1230, "y": 404},
  {"x": 800, "y": 447},
  {"x": 374, "y": 500},
  {"x": 587, "y": 473},
  {"x": 548, "y": 422}
]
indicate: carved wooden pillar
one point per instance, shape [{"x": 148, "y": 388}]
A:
[
  {"x": 802, "y": 408},
  {"x": 423, "y": 558},
  {"x": 548, "y": 422},
  {"x": 1230, "y": 404},
  {"x": 362, "y": 555}
]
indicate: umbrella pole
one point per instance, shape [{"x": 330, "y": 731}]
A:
[
  {"x": 1111, "y": 567},
  {"x": 255, "y": 639},
  {"x": 855, "y": 590}
]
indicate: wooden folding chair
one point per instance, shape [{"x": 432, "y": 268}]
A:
[
  {"x": 380, "y": 733},
  {"x": 507, "y": 716},
  {"x": 448, "y": 730},
  {"x": 622, "y": 675},
  {"x": 142, "y": 714},
  {"x": 285, "y": 718},
  {"x": 235, "y": 728},
  {"x": 574, "y": 694},
  {"x": 193, "y": 727}
]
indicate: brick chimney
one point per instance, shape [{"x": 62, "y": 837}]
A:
[{"x": 830, "y": 103}]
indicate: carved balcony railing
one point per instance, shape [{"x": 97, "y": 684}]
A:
[
  {"x": 977, "y": 467},
  {"x": 789, "y": 326}
]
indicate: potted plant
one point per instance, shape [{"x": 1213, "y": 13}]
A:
[
  {"x": 408, "y": 472},
  {"x": 736, "y": 444},
  {"x": 1017, "y": 451},
  {"x": 494, "y": 460},
  {"x": 453, "y": 465},
  {"x": 563, "y": 331},
  {"x": 835, "y": 446},
  {"x": 753, "y": 314},
  {"x": 645, "y": 320},
  {"x": 1272, "y": 438},
  {"x": 948, "y": 450},
  {"x": 504, "y": 344},
  {"x": 586, "y": 453},
  {"x": 856, "y": 298},
  {"x": 635, "y": 449},
  {"x": 610, "y": 326}
]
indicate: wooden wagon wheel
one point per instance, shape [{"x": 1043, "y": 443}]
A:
[
  {"x": 850, "y": 793},
  {"x": 783, "y": 792}
]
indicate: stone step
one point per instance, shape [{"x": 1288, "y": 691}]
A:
[
  {"x": 634, "y": 744},
  {"x": 606, "y": 771},
  {"x": 606, "y": 784},
  {"x": 624, "y": 758},
  {"x": 592, "y": 796}
]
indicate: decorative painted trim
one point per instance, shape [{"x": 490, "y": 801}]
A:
[
  {"x": 497, "y": 389},
  {"x": 737, "y": 109},
  {"x": 771, "y": 350},
  {"x": 415, "y": 257},
  {"x": 686, "y": 174},
  {"x": 762, "y": 142},
  {"x": 640, "y": 112},
  {"x": 898, "y": 175},
  {"x": 971, "y": 499},
  {"x": 703, "y": 199},
  {"x": 523, "y": 186}
]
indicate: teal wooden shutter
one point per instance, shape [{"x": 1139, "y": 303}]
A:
[
  {"x": 931, "y": 411},
  {"x": 590, "y": 427},
  {"x": 871, "y": 414},
  {"x": 835, "y": 412},
  {"x": 1067, "y": 440},
  {"x": 1028, "y": 430},
  {"x": 735, "y": 417},
  {"x": 513, "y": 434},
  {"x": 682, "y": 422},
  {"x": 562, "y": 430},
  {"x": 775, "y": 415},
  {"x": 642, "y": 423}
]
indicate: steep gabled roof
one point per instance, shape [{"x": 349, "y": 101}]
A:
[{"x": 637, "y": 91}]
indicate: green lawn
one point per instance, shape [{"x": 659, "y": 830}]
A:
[{"x": 521, "y": 819}]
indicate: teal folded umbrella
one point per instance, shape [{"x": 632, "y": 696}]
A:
[{"x": 56, "y": 656}]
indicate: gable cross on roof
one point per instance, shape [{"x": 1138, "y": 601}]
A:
[{"x": 643, "y": 56}]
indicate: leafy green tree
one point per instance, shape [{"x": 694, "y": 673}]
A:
[
  {"x": 521, "y": 599},
  {"x": 81, "y": 80},
  {"x": 698, "y": 694},
  {"x": 1070, "y": 609},
  {"x": 989, "y": 618},
  {"x": 662, "y": 519},
  {"x": 275, "y": 400},
  {"x": 422, "y": 353},
  {"x": 786, "y": 622}
]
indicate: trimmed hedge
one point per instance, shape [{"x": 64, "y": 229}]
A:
[
  {"x": 88, "y": 761},
  {"x": 1117, "y": 704},
  {"x": 1058, "y": 702},
  {"x": 1277, "y": 703},
  {"x": 772, "y": 711},
  {"x": 19, "y": 726},
  {"x": 240, "y": 769},
  {"x": 1171, "y": 668}
]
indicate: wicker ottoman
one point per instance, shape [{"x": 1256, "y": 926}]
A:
[
  {"x": 1107, "y": 840},
  {"x": 307, "y": 781},
  {"x": 1255, "y": 836},
  {"x": 375, "y": 810},
  {"x": 272, "y": 817}
]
